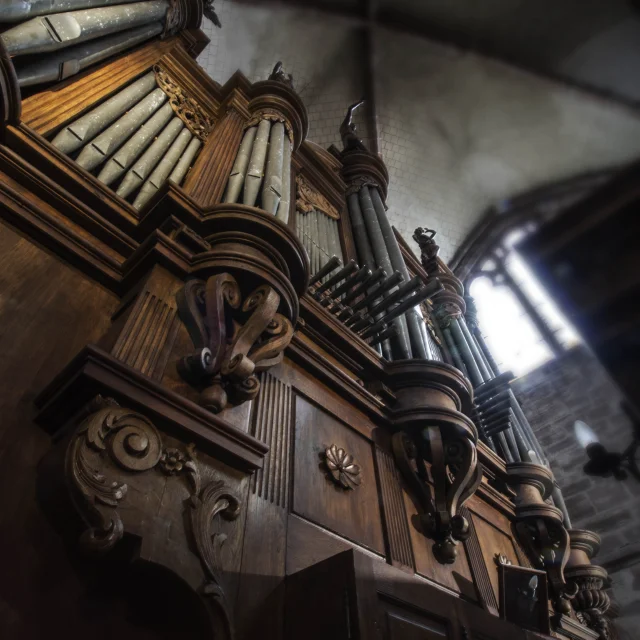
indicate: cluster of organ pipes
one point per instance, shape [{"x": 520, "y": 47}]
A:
[
  {"x": 133, "y": 141},
  {"x": 320, "y": 236},
  {"x": 368, "y": 302},
  {"x": 261, "y": 172},
  {"x": 74, "y": 34}
]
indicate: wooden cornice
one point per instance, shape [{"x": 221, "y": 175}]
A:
[{"x": 93, "y": 372}]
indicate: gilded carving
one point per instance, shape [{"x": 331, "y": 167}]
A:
[
  {"x": 357, "y": 183},
  {"x": 233, "y": 340},
  {"x": 195, "y": 118},
  {"x": 309, "y": 199},
  {"x": 273, "y": 116},
  {"x": 342, "y": 467}
]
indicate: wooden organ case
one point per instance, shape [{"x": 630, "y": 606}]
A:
[{"x": 214, "y": 421}]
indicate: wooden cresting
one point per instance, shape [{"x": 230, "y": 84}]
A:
[{"x": 213, "y": 424}]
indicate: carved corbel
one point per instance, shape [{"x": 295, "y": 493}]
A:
[
  {"x": 591, "y": 602},
  {"x": 234, "y": 340},
  {"x": 540, "y": 528},
  {"x": 434, "y": 430},
  {"x": 108, "y": 453}
]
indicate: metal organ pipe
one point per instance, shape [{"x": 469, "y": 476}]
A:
[
  {"x": 180, "y": 171},
  {"x": 17, "y": 10},
  {"x": 60, "y": 30},
  {"x": 256, "y": 164},
  {"x": 285, "y": 198},
  {"x": 272, "y": 185},
  {"x": 239, "y": 169}
]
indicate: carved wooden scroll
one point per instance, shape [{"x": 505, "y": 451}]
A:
[
  {"x": 195, "y": 118},
  {"x": 456, "y": 476},
  {"x": 233, "y": 340},
  {"x": 110, "y": 448},
  {"x": 308, "y": 199},
  {"x": 273, "y": 116}
]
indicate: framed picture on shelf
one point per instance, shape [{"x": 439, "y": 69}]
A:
[{"x": 524, "y": 598}]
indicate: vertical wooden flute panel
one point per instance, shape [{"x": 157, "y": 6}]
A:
[
  {"x": 260, "y": 603},
  {"x": 208, "y": 177},
  {"x": 395, "y": 516}
]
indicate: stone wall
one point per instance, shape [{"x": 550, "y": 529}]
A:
[
  {"x": 576, "y": 387},
  {"x": 458, "y": 132}
]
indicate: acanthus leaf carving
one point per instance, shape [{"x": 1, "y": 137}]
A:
[
  {"x": 195, "y": 118},
  {"x": 273, "y": 116},
  {"x": 233, "y": 341},
  {"x": 309, "y": 199},
  {"x": 132, "y": 442}
]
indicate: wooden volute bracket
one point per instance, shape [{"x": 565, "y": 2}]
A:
[
  {"x": 432, "y": 399},
  {"x": 243, "y": 305},
  {"x": 540, "y": 528}
]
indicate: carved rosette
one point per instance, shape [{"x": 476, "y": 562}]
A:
[
  {"x": 308, "y": 199},
  {"x": 342, "y": 467},
  {"x": 432, "y": 400},
  {"x": 591, "y": 602},
  {"x": 540, "y": 528},
  {"x": 187, "y": 108}
]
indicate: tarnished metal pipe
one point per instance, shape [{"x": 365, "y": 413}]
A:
[
  {"x": 127, "y": 154},
  {"x": 272, "y": 185},
  {"x": 389, "y": 283},
  {"x": 186, "y": 160},
  {"x": 61, "y": 30},
  {"x": 383, "y": 335},
  {"x": 150, "y": 158},
  {"x": 374, "y": 278},
  {"x": 256, "y": 164},
  {"x": 239, "y": 169},
  {"x": 285, "y": 199},
  {"x": 403, "y": 290},
  {"x": 160, "y": 174},
  {"x": 413, "y": 316},
  {"x": 332, "y": 264},
  {"x": 472, "y": 368},
  {"x": 68, "y": 62},
  {"x": 351, "y": 281},
  {"x": 486, "y": 373},
  {"x": 401, "y": 345},
  {"x": 345, "y": 272},
  {"x": 101, "y": 147},
  {"x": 82, "y": 130},
  {"x": 18, "y": 10}
]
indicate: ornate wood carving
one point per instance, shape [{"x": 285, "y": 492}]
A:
[
  {"x": 273, "y": 426},
  {"x": 342, "y": 467},
  {"x": 273, "y": 116},
  {"x": 195, "y": 118},
  {"x": 540, "y": 528},
  {"x": 308, "y": 199},
  {"x": 234, "y": 339}
]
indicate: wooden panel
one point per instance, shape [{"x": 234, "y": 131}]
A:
[
  {"x": 493, "y": 541},
  {"x": 405, "y": 624},
  {"x": 395, "y": 515},
  {"x": 456, "y": 576},
  {"x": 354, "y": 514}
]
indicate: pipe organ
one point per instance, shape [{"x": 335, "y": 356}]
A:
[{"x": 230, "y": 381}]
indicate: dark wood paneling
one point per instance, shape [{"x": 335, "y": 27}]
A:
[
  {"x": 354, "y": 514},
  {"x": 404, "y": 624}
]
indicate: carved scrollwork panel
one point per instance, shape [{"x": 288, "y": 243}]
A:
[
  {"x": 195, "y": 118},
  {"x": 309, "y": 199},
  {"x": 233, "y": 341},
  {"x": 272, "y": 116}
]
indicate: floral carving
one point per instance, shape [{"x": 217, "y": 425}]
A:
[
  {"x": 195, "y": 118},
  {"x": 501, "y": 559},
  {"x": 342, "y": 467},
  {"x": 233, "y": 340},
  {"x": 273, "y": 116},
  {"x": 309, "y": 199}
]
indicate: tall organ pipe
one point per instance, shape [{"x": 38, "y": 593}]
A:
[
  {"x": 60, "y": 30},
  {"x": 402, "y": 348},
  {"x": 110, "y": 139},
  {"x": 180, "y": 170},
  {"x": 18, "y": 10},
  {"x": 126, "y": 156},
  {"x": 150, "y": 158},
  {"x": 239, "y": 169},
  {"x": 68, "y": 62},
  {"x": 81, "y": 131},
  {"x": 272, "y": 185},
  {"x": 285, "y": 199},
  {"x": 413, "y": 316},
  {"x": 256, "y": 164}
]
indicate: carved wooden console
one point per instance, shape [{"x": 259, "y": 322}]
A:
[{"x": 214, "y": 422}]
